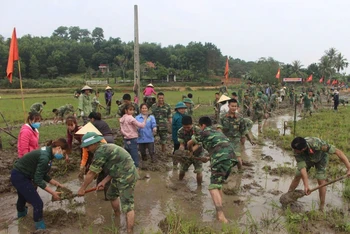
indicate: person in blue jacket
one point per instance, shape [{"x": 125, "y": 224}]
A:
[
  {"x": 180, "y": 110},
  {"x": 146, "y": 134},
  {"x": 31, "y": 171}
]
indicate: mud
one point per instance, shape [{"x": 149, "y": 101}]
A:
[
  {"x": 65, "y": 193},
  {"x": 291, "y": 197}
]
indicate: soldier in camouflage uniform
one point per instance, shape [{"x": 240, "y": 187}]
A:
[
  {"x": 189, "y": 103},
  {"x": 308, "y": 102},
  {"x": 222, "y": 159},
  {"x": 184, "y": 135},
  {"x": 162, "y": 113},
  {"x": 248, "y": 125},
  {"x": 246, "y": 105},
  {"x": 273, "y": 101},
  {"x": 61, "y": 111},
  {"x": 223, "y": 89},
  {"x": 37, "y": 107},
  {"x": 259, "y": 108},
  {"x": 314, "y": 152},
  {"x": 233, "y": 126},
  {"x": 122, "y": 174},
  {"x": 127, "y": 101}
]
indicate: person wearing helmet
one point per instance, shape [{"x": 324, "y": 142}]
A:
[
  {"x": 85, "y": 106},
  {"x": 122, "y": 174},
  {"x": 180, "y": 110},
  {"x": 108, "y": 98}
]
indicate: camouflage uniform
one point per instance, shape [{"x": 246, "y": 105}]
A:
[
  {"x": 273, "y": 102},
  {"x": 121, "y": 168},
  {"x": 316, "y": 155},
  {"x": 246, "y": 106},
  {"x": 189, "y": 110},
  {"x": 183, "y": 138},
  {"x": 234, "y": 128},
  {"x": 36, "y": 107},
  {"x": 308, "y": 104},
  {"x": 223, "y": 90},
  {"x": 259, "y": 110},
  {"x": 61, "y": 111},
  {"x": 95, "y": 103},
  {"x": 162, "y": 114},
  {"x": 222, "y": 155},
  {"x": 121, "y": 109},
  {"x": 248, "y": 123}
]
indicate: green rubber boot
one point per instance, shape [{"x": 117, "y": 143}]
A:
[
  {"x": 40, "y": 225},
  {"x": 21, "y": 214}
]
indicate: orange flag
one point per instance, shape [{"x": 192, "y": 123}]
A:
[
  {"x": 226, "y": 70},
  {"x": 13, "y": 55},
  {"x": 321, "y": 80},
  {"x": 309, "y": 79},
  {"x": 278, "y": 73}
]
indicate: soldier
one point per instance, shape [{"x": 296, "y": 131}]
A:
[
  {"x": 223, "y": 89},
  {"x": 308, "y": 103},
  {"x": 84, "y": 106},
  {"x": 248, "y": 124},
  {"x": 108, "y": 98},
  {"x": 222, "y": 159},
  {"x": 121, "y": 172},
  {"x": 37, "y": 107},
  {"x": 184, "y": 135},
  {"x": 314, "y": 152},
  {"x": 246, "y": 105},
  {"x": 216, "y": 105},
  {"x": 233, "y": 126},
  {"x": 127, "y": 101},
  {"x": 61, "y": 111},
  {"x": 162, "y": 113},
  {"x": 259, "y": 108},
  {"x": 235, "y": 96},
  {"x": 189, "y": 103},
  {"x": 273, "y": 101}
]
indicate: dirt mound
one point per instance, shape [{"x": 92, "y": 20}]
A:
[
  {"x": 7, "y": 159},
  {"x": 65, "y": 193},
  {"x": 291, "y": 197},
  {"x": 62, "y": 218}
]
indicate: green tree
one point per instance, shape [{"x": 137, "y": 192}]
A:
[
  {"x": 340, "y": 62},
  {"x": 97, "y": 35},
  {"x": 61, "y": 31},
  {"x": 326, "y": 67},
  {"x": 74, "y": 33},
  {"x": 296, "y": 67},
  {"x": 34, "y": 67},
  {"x": 52, "y": 71},
  {"x": 81, "y": 66}
]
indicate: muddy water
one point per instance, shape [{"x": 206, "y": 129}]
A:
[{"x": 257, "y": 193}]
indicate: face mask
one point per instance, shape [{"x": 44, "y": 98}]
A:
[
  {"x": 36, "y": 125},
  {"x": 58, "y": 156}
]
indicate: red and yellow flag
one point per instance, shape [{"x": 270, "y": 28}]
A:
[
  {"x": 309, "y": 79},
  {"x": 226, "y": 70},
  {"x": 278, "y": 73},
  {"x": 13, "y": 55}
]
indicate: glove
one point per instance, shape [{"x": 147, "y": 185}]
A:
[{"x": 82, "y": 113}]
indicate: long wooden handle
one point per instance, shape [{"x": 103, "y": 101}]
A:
[
  {"x": 91, "y": 190},
  {"x": 328, "y": 183}
]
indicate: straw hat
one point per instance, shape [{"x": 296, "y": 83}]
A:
[
  {"x": 150, "y": 84},
  {"x": 86, "y": 87},
  {"x": 108, "y": 87},
  {"x": 223, "y": 98},
  {"x": 89, "y": 127}
]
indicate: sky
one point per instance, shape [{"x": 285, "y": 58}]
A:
[{"x": 286, "y": 30}]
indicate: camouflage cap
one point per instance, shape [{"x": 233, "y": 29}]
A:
[{"x": 89, "y": 139}]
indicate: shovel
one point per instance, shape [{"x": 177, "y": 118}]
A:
[{"x": 293, "y": 196}]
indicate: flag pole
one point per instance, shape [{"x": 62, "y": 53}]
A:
[{"x": 20, "y": 83}]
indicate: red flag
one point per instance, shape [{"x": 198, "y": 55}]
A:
[
  {"x": 329, "y": 81},
  {"x": 278, "y": 73},
  {"x": 226, "y": 70},
  {"x": 334, "y": 82},
  {"x": 13, "y": 55},
  {"x": 309, "y": 79},
  {"x": 321, "y": 80}
]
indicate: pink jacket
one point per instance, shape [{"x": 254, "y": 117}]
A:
[
  {"x": 28, "y": 140},
  {"x": 148, "y": 91},
  {"x": 129, "y": 125}
]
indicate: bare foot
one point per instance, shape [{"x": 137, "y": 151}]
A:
[{"x": 223, "y": 220}]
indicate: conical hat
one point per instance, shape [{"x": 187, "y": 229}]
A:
[
  {"x": 89, "y": 127},
  {"x": 151, "y": 85},
  {"x": 86, "y": 87},
  {"x": 108, "y": 87},
  {"x": 224, "y": 98}
]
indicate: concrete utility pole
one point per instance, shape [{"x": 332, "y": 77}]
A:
[{"x": 137, "y": 82}]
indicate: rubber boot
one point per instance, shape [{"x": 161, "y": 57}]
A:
[
  {"x": 40, "y": 225},
  {"x": 154, "y": 158},
  {"x": 21, "y": 214}
]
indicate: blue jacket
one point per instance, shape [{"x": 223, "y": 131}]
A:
[
  {"x": 146, "y": 133},
  {"x": 176, "y": 125}
]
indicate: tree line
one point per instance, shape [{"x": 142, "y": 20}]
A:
[{"x": 73, "y": 50}]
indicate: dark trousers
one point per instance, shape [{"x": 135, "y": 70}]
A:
[
  {"x": 176, "y": 147},
  {"x": 130, "y": 145},
  {"x": 143, "y": 147},
  {"x": 26, "y": 192}
]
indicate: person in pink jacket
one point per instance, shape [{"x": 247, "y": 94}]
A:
[
  {"x": 149, "y": 90},
  {"x": 128, "y": 127},
  {"x": 28, "y": 137}
]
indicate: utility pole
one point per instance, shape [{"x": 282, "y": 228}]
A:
[{"x": 137, "y": 82}]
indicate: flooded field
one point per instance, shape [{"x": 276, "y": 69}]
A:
[{"x": 250, "y": 197}]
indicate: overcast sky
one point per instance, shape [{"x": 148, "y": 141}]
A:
[{"x": 286, "y": 30}]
